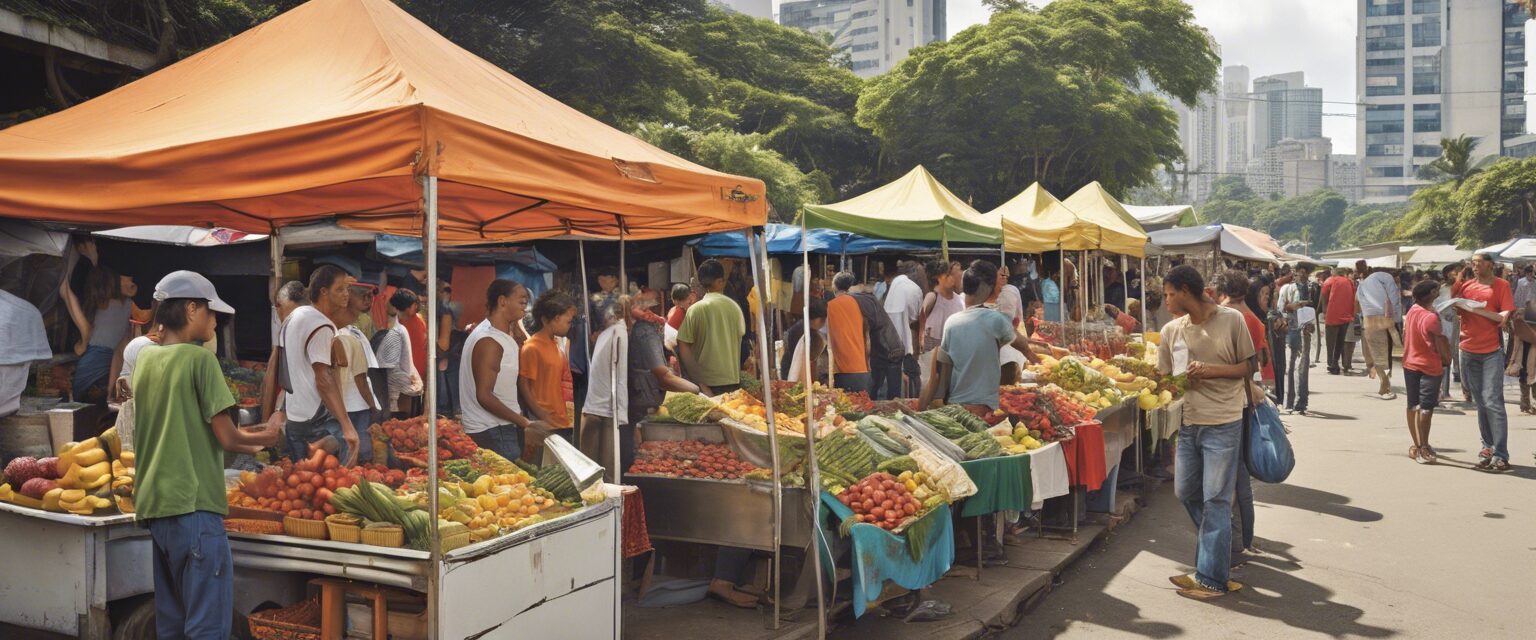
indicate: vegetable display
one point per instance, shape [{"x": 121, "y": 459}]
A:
[
  {"x": 689, "y": 459},
  {"x": 687, "y": 408},
  {"x": 888, "y": 501},
  {"x": 301, "y": 490},
  {"x": 408, "y": 439}
]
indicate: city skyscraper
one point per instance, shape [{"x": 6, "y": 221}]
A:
[
  {"x": 1284, "y": 107},
  {"x": 1432, "y": 69},
  {"x": 1236, "y": 147},
  {"x": 755, "y": 8},
  {"x": 877, "y": 34}
]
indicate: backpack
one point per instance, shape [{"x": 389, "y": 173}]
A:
[{"x": 885, "y": 344}]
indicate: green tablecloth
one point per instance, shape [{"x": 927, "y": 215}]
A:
[{"x": 1002, "y": 484}]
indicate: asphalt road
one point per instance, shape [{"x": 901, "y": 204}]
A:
[{"x": 1359, "y": 541}]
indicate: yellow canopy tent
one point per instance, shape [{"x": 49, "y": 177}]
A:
[
  {"x": 913, "y": 207},
  {"x": 1035, "y": 221},
  {"x": 1109, "y": 226},
  {"x": 341, "y": 108}
]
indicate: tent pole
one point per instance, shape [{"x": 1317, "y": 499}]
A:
[
  {"x": 765, "y": 369},
  {"x": 613, "y": 382},
  {"x": 586, "y": 300},
  {"x": 434, "y": 549},
  {"x": 813, "y": 475}
]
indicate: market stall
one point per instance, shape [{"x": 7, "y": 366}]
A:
[{"x": 294, "y": 122}]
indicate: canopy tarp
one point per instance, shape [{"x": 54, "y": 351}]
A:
[
  {"x": 1516, "y": 249},
  {"x": 784, "y": 239},
  {"x": 1162, "y": 217},
  {"x": 1109, "y": 226},
  {"x": 21, "y": 239},
  {"x": 1035, "y": 221},
  {"x": 181, "y": 235},
  {"x": 913, "y": 207},
  {"x": 1185, "y": 239},
  {"x": 1436, "y": 255},
  {"x": 336, "y": 109}
]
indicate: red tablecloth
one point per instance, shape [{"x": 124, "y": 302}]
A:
[
  {"x": 637, "y": 539},
  {"x": 1085, "y": 456}
]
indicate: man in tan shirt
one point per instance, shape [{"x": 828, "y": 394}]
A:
[{"x": 1210, "y": 345}]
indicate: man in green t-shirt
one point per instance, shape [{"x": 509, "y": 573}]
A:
[
  {"x": 709, "y": 342},
  {"x": 182, "y": 431}
]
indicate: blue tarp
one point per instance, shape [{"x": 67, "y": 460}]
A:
[
  {"x": 784, "y": 239},
  {"x": 879, "y": 556}
]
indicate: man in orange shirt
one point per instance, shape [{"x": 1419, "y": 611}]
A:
[
  {"x": 849, "y": 335},
  {"x": 541, "y": 371},
  {"x": 1339, "y": 311}
]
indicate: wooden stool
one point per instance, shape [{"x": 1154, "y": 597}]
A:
[{"x": 333, "y": 606}]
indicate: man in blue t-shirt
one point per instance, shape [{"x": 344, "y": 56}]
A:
[{"x": 970, "y": 368}]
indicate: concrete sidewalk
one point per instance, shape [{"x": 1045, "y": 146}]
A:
[{"x": 982, "y": 607}]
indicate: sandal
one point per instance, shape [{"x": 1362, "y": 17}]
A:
[
  {"x": 1428, "y": 455},
  {"x": 1187, "y": 581},
  {"x": 1413, "y": 453}
]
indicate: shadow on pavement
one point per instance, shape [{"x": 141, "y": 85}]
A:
[
  {"x": 1296, "y": 602},
  {"x": 1322, "y": 415},
  {"x": 1308, "y": 499}
]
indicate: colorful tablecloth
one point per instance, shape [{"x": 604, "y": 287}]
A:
[
  {"x": 1002, "y": 484},
  {"x": 880, "y": 556},
  {"x": 1048, "y": 474},
  {"x": 1085, "y": 456}
]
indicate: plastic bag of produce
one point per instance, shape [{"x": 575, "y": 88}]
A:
[
  {"x": 920, "y": 434},
  {"x": 688, "y": 408},
  {"x": 944, "y": 472}
]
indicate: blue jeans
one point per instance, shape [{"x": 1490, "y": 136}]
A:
[
  {"x": 852, "y": 382},
  {"x": 360, "y": 421},
  {"x": 1205, "y": 477},
  {"x": 885, "y": 381},
  {"x": 301, "y": 434},
  {"x": 1484, "y": 375},
  {"x": 1297, "y": 370},
  {"x": 194, "y": 576},
  {"x": 506, "y": 440}
]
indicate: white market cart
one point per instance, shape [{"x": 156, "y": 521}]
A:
[
  {"x": 556, "y": 579},
  {"x": 78, "y": 571}
]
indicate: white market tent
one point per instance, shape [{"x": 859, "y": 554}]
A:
[
  {"x": 1435, "y": 255},
  {"x": 1206, "y": 238},
  {"x": 1516, "y": 249},
  {"x": 181, "y": 235},
  {"x": 1154, "y": 218}
]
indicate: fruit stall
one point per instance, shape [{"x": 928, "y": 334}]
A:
[{"x": 73, "y": 513}]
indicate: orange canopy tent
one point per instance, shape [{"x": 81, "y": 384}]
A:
[{"x": 340, "y": 108}]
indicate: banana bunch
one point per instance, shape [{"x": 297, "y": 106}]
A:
[{"x": 122, "y": 482}]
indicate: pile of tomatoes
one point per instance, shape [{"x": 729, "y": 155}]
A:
[
  {"x": 880, "y": 500},
  {"x": 1068, "y": 410},
  {"x": 301, "y": 490},
  {"x": 380, "y": 474},
  {"x": 689, "y": 459},
  {"x": 1026, "y": 407},
  {"x": 408, "y": 439}
]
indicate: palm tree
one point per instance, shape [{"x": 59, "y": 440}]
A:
[{"x": 1455, "y": 162}]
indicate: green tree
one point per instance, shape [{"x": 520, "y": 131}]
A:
[
  {"x": 1497, "y": 203},
  {"x": 1043, "y": 96},
  {"x": 789, "y": 189},
  {"x": 1456, "y": 162},
  {"x": 1431, "y": 218}
]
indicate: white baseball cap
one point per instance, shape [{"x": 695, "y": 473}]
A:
[{"x": 190, "y": 284}]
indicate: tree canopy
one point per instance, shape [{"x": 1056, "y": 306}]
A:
[{"x": 1045, "y": 95}]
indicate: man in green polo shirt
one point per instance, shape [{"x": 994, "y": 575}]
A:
[
  {"x": 182, "y": 432},
  {"x": 709, "y": 342}
]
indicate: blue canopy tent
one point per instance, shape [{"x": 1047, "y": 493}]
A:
[{"x": 784, "y": 239}]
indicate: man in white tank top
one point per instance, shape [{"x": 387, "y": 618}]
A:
[{"x": 488, "y": 376}]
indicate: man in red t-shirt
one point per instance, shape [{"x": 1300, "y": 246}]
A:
[
  {"x": 1482, "y": 359},
  {"x": 1426, "y": 353},
  {"x": 1339, "y": 302}
]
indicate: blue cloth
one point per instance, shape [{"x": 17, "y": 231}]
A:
[
  {"x": 971, "y": 341},
  {"x": 784, "y": 239},
  {"x": 1102, "y": 500},
  {"x": 1205, "y": 477},
  {"x": 194, "y": 576},
  {"x": 1484, "y": 375},
  {"x": 90, "y": 381},
  {"x": 880, "y": 556}
]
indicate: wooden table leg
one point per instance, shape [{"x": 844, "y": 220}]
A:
[{"x": 333, "y": 608}]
